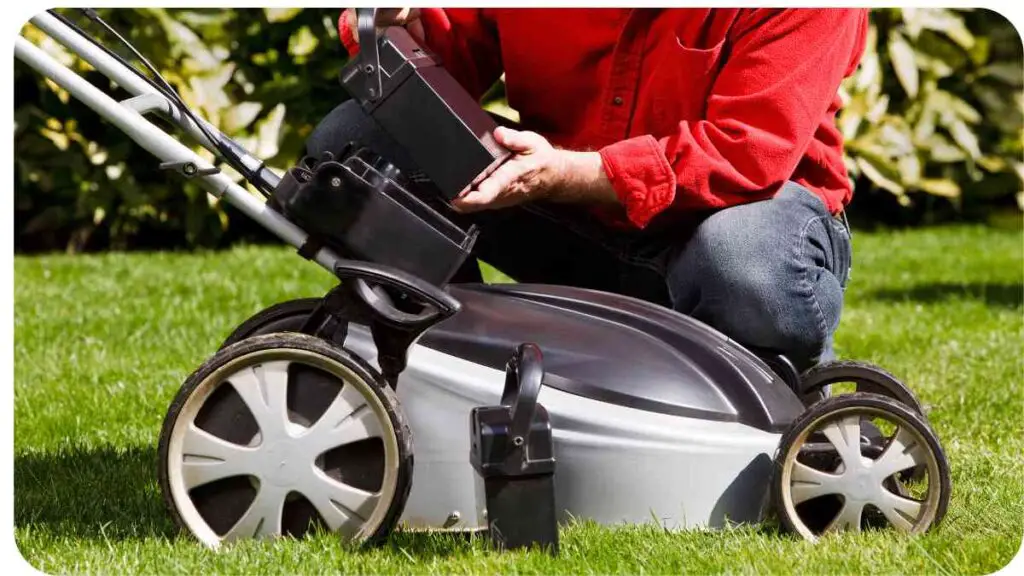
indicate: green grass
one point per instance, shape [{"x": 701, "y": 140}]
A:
[{"x": 102, "y": 343}]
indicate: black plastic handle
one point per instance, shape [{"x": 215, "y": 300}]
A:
[
  {"x": 366, "y": 28},
  {"x": 524, "y": 374},
  {"x": 438, "y": 304}
]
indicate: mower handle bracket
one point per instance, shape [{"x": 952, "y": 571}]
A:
[{"x": 370, "y": 295}]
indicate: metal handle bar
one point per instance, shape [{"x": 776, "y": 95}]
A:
[{"x": 164, "y": 146}]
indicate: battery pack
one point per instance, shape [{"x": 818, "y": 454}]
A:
[{"x": 425, "y": 110}]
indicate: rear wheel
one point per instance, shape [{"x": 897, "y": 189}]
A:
[
  {"x": 826, "y": 379},
  {"x": 287, "y": 316},
  {"x": 281, "y": 435}
]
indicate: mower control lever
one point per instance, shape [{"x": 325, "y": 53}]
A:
[
  {"x": 437, "y": 303},
  {"x": 366, "y": 28},
  {"x": 513, "y": 453}
]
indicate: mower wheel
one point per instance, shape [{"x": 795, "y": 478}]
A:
[
  {"x": 829, "y": 477},
  {"x": 866, "y": 377},
  {"x": 287, "y": 316},
  {"x": 285, "y": 434}
]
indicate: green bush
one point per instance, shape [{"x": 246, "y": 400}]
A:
[
  {"x": 262, "y": 76},
  {"x": 935, "y": 111},
  {"x": 933, "y": 121}
]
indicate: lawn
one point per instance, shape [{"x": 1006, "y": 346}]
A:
[{"x": 103, "y": 342}]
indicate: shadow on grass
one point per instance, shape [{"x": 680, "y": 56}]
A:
[
  {"x": 112, "y": 494},
  {"x": 992, "y": 294},
  {"x": 102, "y": 492}
]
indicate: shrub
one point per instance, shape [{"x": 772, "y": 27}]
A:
[
  {"x": 262, "y": 76},
  {"x": 935, "y": 110}
]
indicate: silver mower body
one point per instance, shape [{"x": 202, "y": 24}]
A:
[{"x": 642, "y": 431}]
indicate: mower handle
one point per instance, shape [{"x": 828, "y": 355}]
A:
[{"x": 524, "y": 375}]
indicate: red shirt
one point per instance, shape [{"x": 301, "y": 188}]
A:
[{"x": 690, "y": 109}]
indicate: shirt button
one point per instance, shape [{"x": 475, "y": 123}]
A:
[{"x": 617, "y": 101}]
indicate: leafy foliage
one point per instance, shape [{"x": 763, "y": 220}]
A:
[
  {"x": 933, "y": 113},
  {"x": 935, "y": 109},
  {"x": 262, "y": 76}
]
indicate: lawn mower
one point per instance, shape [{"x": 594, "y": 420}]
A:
[{"x": 401, "y": 400}]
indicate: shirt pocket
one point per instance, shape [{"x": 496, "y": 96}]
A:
[{"x": 681, "y": 83}]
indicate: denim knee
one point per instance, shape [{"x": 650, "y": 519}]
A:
[{"x": 768, "y": 274}]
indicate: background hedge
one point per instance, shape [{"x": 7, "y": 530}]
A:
[{"x": 933, "y": 123}]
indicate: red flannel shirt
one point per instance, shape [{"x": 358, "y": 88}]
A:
[{"x": 690, "y": 109}]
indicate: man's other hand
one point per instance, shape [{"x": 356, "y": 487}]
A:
[{"x": 538, "y": 171}]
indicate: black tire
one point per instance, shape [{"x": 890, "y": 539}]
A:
[
  {"x": 368, "y": 376},
  {"x": 868, "y": 378},
  {"x": 287, "y": 316},
  {"x": 938, "y": 480}
]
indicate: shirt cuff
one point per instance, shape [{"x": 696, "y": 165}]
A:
[{"x": 641, "y": 176}]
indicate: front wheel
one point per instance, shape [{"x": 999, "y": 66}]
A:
[
  {"x": 832, "y": 475},
  {"x": 285, "y": 434}
]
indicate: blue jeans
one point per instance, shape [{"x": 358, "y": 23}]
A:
[{"x": 770, "y": 274}]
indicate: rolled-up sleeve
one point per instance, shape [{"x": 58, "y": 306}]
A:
[{"x": 644, "y": 181}]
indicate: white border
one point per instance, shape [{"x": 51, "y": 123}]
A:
[{"x": 15, "y": 14}]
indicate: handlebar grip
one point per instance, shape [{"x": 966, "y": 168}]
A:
[{"x": 439, "y": 303}]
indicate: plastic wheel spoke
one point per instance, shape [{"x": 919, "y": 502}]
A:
[
  {"x": 207, "y": 458},
  {"x": 359, "y": 425},
  {"x": 904, "y": 451},
  {"x": 845, "y": 436},
  {"x": 902, "y": 512},
  {"x": 807, "y": 483},
  {"x": 344, "y": 508},
  {"x": 348, "y": 401},
  {"x": 264, "y": 389},
  {"x": 263, "y": 518},
  {"x": 848, "y": 518}
]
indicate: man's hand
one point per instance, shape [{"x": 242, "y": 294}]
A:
[
  {"x": 408, "y": 17},
  {"x": 538, "y": 171}
]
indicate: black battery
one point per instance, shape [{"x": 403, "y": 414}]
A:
[{"x": 424, "y": 109}]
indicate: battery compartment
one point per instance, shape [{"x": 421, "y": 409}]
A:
[{"x": 360, "y": 207}]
